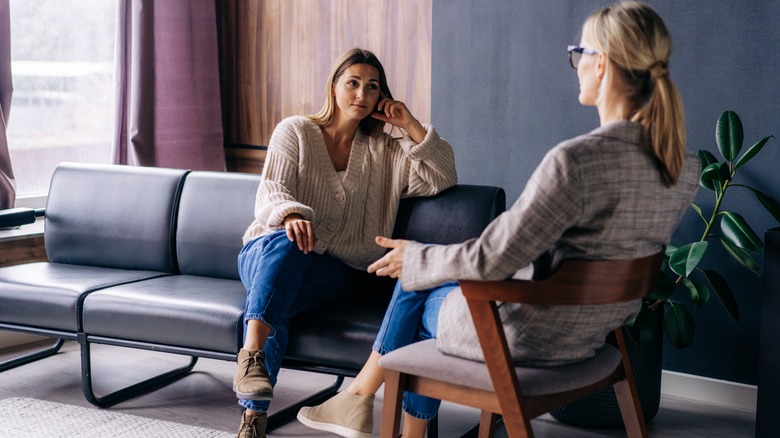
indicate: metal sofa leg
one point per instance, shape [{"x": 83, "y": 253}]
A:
[
  {"x": 32, "y": 357},
  {"x": 289, "y": 413},
  {"x": 131, "y": 391}
]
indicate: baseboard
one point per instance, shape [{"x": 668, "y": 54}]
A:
[{"x": 722, "y": 392}]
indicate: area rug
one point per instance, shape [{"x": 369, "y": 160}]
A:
[{"x": 27, "y": 417}]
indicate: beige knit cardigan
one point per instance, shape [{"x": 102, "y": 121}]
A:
[{"x": 299, "y": 177}]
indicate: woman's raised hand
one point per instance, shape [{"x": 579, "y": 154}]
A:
[
  {"x": 397, "y": 114},
  {"x": 301, "y": 232}
]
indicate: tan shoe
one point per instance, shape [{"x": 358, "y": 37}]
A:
[
  {"x": 345, "y": 414},
  {"x": 253, "y": 426},
  {"x": 251, "y": 381}
]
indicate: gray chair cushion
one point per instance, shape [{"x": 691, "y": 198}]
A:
[
  {"x": 215, "y": 210},
  {"x": 47, "y": 295},
  {"x": 424, "y": 359},
  {"x": 180, "y": 310},
  {"x": 112, "y": 216}
]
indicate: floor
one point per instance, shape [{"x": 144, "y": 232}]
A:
[{"x": 204, "y": 398}]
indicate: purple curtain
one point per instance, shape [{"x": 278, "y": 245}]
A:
[
  {"x": 168, "y": 110},
  {"x": 7, "y": 181}
]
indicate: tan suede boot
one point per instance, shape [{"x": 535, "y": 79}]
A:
[
  {"x": 251, "y": 381},
  {"x": 253, "y": 426},
  {"x": 345, "y": 414}
]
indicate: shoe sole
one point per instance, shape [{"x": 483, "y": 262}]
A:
[
  {"x": 332, "y": 428},
  {"x": 263, "y": 396}
]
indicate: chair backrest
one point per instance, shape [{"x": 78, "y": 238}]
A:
[
  {"x": 214, "y": 212},
  {"x": 576, "y": 282},
  {"x": 93, "y": 209},
  {"x": 459, "y": 213}
]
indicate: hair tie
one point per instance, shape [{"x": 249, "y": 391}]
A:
[{"x": 658, "y": 69}]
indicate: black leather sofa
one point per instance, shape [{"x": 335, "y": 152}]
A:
[
  {"x": 146, "y": 258},
  {"x": 768, "y": 403}
]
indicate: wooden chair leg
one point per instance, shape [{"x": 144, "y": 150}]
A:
[
  {"x": 630, "y": 409},
  {"x": 518, "y": 427},
  {"x": 487, "y": 424},
  {"x": 627, "y": 396},
  {"x": 391, "y": 406}
]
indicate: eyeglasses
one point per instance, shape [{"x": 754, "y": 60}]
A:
[{"x": 576, "y": 52}]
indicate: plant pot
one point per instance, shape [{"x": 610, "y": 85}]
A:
[{"x": 601, "y": 410}]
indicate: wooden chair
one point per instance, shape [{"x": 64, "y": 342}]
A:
[{"x": 522, "y": 393}]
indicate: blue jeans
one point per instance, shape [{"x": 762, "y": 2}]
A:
[
  {"x": 281, "y": 281},
  {"x": 411, "y": 317}
]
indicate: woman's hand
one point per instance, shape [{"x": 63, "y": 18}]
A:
[
  {"x": 395, "y": 113},
  {"x": 301, "y": 232},
  {"x": 392, "y": 264}
]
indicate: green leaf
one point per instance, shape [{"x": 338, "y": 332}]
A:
[
  {"x": 741, "y": 256},
  {"x": 716, "y": 174},
  {"x": 756, "y": 148},
  {"x": 728, "y": 134},
  {"x": 737, "y": 230},
  {"x": 670, "y": 249},
  {"x": 692, "y": 289},
  {"x": 679, "y": 326},
  {"x": 698, "y": 211},
  {"x": 687, "y": 257},
  {"x": 723, "y": 291},
  {"x": 702, "y": 292},
  {"x": 664, "y": 288},
  {"x": 643, "y": 328},
  {"x": 706, "y": 158},
  {"x": 771, "y": 205}
]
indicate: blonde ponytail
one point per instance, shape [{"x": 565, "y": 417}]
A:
[
  {"x": 663, "y": 120},
  {"x": 637, "y": 43}
]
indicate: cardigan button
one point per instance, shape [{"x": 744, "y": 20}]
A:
[
  {"x": 332, "y": 226},
  {"x": 339, "y": 197}
]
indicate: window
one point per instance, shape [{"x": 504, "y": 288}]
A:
[{"x": 62, "y": 65}]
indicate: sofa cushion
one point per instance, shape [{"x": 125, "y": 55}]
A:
[
  {"x": 214, "y": 212},
  {"x": 340, "y": 335},
  {"x": 48, "y": 295},
  {"x": 181, "y": 310},
  {"x": 112, "y": 216}
]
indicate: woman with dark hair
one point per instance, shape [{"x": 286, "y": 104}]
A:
[
  {"x": 331, "y": 184},
  {"x": 616, "y": 192}
]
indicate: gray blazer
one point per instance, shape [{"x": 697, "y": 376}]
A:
[{"x": 596, "y": 196}]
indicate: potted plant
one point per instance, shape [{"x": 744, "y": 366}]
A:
[{"x": 682, "y": 273}]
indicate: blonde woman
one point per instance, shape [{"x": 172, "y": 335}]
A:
[
  {"x": 616, "y": 192},
  {"x": 331, "y": 183}
]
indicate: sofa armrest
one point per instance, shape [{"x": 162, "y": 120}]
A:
[{"x": 457, "y": 214}]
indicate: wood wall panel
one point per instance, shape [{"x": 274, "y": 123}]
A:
[{"x": 276, "y": 55}]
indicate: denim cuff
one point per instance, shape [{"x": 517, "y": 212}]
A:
[
  {"x": 426, "y": 417},
  {"x": 257, "y": 406}
]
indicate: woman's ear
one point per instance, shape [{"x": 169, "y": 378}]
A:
[{"x": 601, "y": 65}]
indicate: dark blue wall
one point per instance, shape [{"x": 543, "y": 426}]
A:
[{"x": 503, "y": 94}]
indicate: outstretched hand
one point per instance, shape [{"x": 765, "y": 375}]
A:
[{"x": 392, "y": 263}]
